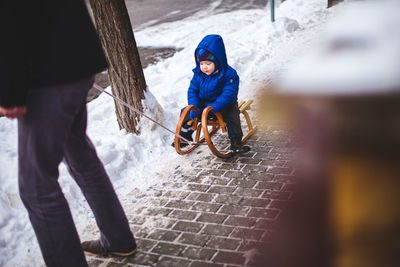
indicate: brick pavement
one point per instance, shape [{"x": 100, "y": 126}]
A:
[{"x": 212, "y": 212}]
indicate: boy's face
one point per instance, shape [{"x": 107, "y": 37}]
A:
[{"x": 207, "y": 67}]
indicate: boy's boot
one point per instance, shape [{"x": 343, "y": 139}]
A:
[
  {"x": 238, "y": 147},
  {"x": 186, "y": 132}
]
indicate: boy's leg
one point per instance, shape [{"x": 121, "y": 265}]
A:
[
  {"x": 89, "y": 173},
  {"x": 186, "y": 130},
  {"x": 231, "y": 116},
  {"x": 42, "y": 135}
]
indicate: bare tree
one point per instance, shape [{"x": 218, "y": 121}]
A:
[{"x": 125, "y": 71}]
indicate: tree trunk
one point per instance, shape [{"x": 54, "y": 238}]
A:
[
  {"x": 331, "y": 3},
  {"x": 125, "y": 71}
]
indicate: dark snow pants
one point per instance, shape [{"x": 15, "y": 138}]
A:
[
  {"x": 54, "y": 129},
  {"x": 231, "y": 116}
]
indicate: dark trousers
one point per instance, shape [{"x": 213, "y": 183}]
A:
[
  {"x": 230, "y": 114},
  {"x": 54, "y": 129}
]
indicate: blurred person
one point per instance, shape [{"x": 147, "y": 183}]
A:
[
  {"x": 343, "y": 100},
  {"x": 50, "y": 52}
]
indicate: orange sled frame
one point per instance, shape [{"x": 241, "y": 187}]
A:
[{"x": 209, "y": 127}]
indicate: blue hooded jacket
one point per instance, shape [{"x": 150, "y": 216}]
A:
[{"x": 219, "y": 89}]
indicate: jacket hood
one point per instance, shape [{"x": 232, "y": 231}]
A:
[{"x": 215, "y": 45}]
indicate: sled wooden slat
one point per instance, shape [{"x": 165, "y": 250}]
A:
[
  {"x": 189, "y": 148},
  {"x": 245, "y": 106},
  {"x": 207, "y": 134}
]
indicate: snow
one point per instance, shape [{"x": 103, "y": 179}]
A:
[{"x": 257, "y": 49}]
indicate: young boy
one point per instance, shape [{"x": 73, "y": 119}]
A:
[{"x": 215, "y": 84}]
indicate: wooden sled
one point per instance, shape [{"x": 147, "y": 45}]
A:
[{"x": 208, "y": 126}]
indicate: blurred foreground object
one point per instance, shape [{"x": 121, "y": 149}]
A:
[{"x": 343, "y": 101}]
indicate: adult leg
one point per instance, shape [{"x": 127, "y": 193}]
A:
[
  {"x": 42, "y": 135},
  {"x": 88, "y": 172}
]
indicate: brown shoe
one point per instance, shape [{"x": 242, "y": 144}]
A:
[{"x": 95, "y": 248}]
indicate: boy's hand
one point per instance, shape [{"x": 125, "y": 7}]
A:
[
  {"x": 216, "y": 107},
  {"x": 14, "y": 112},
  {"x": 192, "y": 114}
]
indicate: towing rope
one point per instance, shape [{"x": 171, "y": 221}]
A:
[{"x": 96, "y": 86}]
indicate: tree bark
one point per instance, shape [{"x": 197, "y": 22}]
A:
[
  {"x": 125, "y": 71},
  {"x": 331, "y": 3}
]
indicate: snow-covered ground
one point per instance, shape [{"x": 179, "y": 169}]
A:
[{"x": 257, "y": 49}]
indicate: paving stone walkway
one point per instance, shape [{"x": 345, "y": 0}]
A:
[{"x": 213, "y": 212}]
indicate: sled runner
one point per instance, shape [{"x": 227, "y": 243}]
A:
[{"x": 210, "y": 123}]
